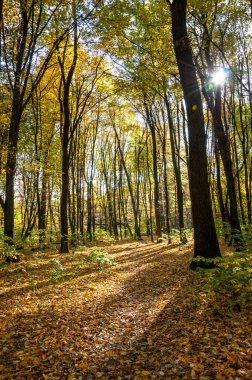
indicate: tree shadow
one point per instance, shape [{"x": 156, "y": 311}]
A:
[
  {"x": 88, "y": 334},
  {"x": 136, "y": 259}
]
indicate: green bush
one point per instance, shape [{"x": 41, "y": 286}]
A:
[
  {"x": 96, "y": 256},
  {"x": 230, "y": 283},
  {"x": 75, "y": 239},
  {"x": 10, "y": 254},
  {"x": 223, "y": 230},
  {"x": 57, "y": 270},
  {"x": 8, "y": 250},
  {"x": 101, "y": 234}
]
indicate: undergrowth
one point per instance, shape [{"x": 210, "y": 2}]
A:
[
  {"x": 58, "y": 272},
  {"x": 97, "y": 256},
  {"x": 229, "y": 285}
]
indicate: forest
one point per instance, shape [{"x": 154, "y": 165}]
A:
[{"x": 125, "y": 189}]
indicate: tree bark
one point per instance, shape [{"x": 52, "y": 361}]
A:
[
  {"x": 180, "y": 197},
  {"x": 16, "y": 114},
  {"x": 151, "y": 125},
  {"x": 66, "y": 82},
  {"x": 9, "y": 187},
  {"x": 137, "y": 233},
  {"x": 224, "y": 148},
  {"x": 205, "y": 237}
]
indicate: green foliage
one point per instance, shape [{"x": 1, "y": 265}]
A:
[
  {"x": 52, "y": 237},
  {"x": 238, "y": 239},
  {"x": 31, "y": 240},
  {"x": 223, "y": 229},
  {"x": 40, "y": 308},
  {"x": 96, "y": 256},
  {"x": 75, "y": 239},
  {"x": 79, "y": 248},
  {"x": 57, "y": 271},
  {"x": 176, "y": 234},
  {"x": 8, "y": 250},
  {"x": 103, "y": 235},
  {"x": 230, "y": 283},
  {"x": 10, "y": 254},
  {"x": 2, "y": 264}
]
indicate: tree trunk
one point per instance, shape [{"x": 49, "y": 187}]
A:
[
  {"x": 65, "y": 106},
  {"x": 224, "y": 148},
  {"x": 166, "y": 193},
  {"x": 180, "y": 200},
  {"x": 137, "y": 233},
  {"x": 151, "y": 125},
  {"x": 205, "y": 237},
  {"x": 89, "y": 211},
  {"x": 11, "y": 166},
  {"x": 64, "y": 199},
  {"x": 42, "y": 208}
]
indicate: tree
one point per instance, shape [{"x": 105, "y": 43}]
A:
[
  {"x": 137, "y": 231},
  {"x": 214, "y": 102},
  {"x": 65, "y": 84},
  {"x": 19, "y": 50},
  {"x": 177, "y": 172},
  {"x": 152, "y": 126},
  {"x": 205, "y": 237}
]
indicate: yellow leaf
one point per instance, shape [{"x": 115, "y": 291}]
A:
[
  {"x": 145, "y": 373},
  {"x": 83, "y": 365},
  {"x": 36, "y": 360}
]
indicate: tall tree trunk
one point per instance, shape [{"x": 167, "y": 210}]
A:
[
  {"x": 150, "y": 192},
  {"x": 166, "y": 193},
  {"x": 163, "y": 141},
  {"x": 11, "y": 166},
  {"x": 137, "y": 233},
  {"x": 205, "y": 237},
  {"x": 115, "y": 228},
  {"x": 224, "y": 217},
  {"x": 122, "y": 201},
  {"x": 180, "y": 200},
  {"x": 151, "y": 125},
  {"x": 16, "y": 114},
  {"x": 64, "y": 194},
  {"x": 66, "y": 82},
  {"x": 215, "y": 106},
  {"x": 239, "y": 192},
  {"x": 225, "y": 153},
  {"x": 42, "y": 207},
  {"x": 89, "y": 212},
  {"x": 247, "y": 160},
  {"x": 1, "y": 25}
]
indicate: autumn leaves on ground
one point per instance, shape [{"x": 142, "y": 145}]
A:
[{"x": 141, "y": 315}]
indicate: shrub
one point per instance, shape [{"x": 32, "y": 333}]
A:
[
  {"x": 56, "y": 271},
  {"x": 96, "y": 256},
  {"x": 10, "y": 254},
  {"x": 103, "y": 235},
  {"x": 8, "y": 250},
  {"x": 230, "y": 283}
]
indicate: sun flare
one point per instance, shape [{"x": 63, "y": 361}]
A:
[{"x": 219, "y": 76}]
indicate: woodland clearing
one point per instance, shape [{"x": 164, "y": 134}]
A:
[{"x": 146, "y": 317}]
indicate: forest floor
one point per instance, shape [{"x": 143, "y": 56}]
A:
[{"x": 147, "y": 317}]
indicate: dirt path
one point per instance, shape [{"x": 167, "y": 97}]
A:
[{"x": 143, "y": 318}]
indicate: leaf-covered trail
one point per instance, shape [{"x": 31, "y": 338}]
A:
[{"x": 145, "y": 318}]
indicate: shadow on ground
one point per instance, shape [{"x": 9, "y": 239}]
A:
[{"x": 141, "y": 319}]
